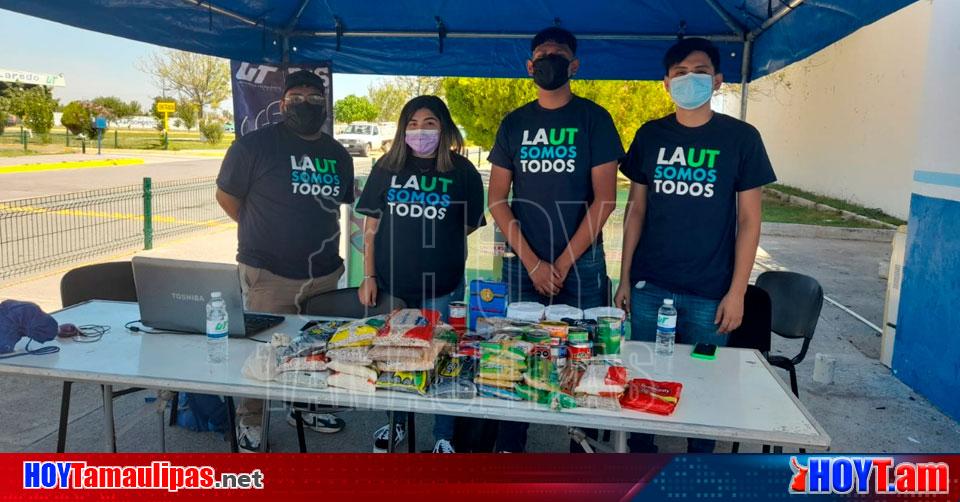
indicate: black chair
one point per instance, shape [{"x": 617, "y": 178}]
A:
[
  {"x": 796, "y": 300},
  {"x": 345, "y": 303},
  {"x": 754, "y": 331},
  {"x": 103, "y": 281}
]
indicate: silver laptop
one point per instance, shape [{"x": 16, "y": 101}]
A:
[{"x": 173, "y": 296}]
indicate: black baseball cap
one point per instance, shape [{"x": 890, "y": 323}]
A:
[{"x": 303, "y": 78}]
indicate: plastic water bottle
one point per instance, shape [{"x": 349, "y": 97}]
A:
[
  {"x": 218, "y": 326},
  {"x": 666, "y": 328}
]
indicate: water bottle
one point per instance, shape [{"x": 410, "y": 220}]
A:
[
  {"x": 666, "y": 328},
  {"x": 218, "y": 326}
]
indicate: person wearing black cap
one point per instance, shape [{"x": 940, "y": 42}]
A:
[
  {"x": 283, "y": 184},
  {"x": 559, "y": 154}
]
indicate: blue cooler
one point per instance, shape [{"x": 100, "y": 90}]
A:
[{"x": 487, "y": 299}]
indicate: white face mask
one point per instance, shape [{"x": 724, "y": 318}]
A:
[{"x": 692, "y": 90}]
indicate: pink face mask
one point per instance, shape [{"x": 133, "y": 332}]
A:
[{"x": 423, "y": 141}]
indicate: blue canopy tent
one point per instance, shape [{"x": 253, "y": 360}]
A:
[{"x": 620, "y": 39}]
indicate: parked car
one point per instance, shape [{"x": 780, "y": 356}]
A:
[{"x": 363, "y": 137}]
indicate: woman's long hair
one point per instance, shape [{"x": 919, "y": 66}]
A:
[{"x": 450, "y": 138}]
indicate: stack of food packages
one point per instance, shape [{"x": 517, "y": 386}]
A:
[
  {"x": 348, "y": 354},
  {"x": 303, "y": 362},
  {"x": 406, "y": 349},
  {"x": 596, "y": 383}
]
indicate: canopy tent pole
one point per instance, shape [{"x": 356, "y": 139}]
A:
[
  {"x": 748, "y": 52},
  {"x": 727, "y": 18},
  {"x": 745, "y": 77},
  {"x": 507, "y": 36}
]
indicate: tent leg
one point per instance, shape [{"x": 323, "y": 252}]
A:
[{"x": 745, "y": 77}]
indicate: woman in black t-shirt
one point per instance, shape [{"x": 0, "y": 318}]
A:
[{"x": 421, "y": 201}]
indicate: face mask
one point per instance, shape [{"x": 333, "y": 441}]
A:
[
  {"x": 305, "y": 119},
  {"x": 692, "y": 90},
  {"x": 551, "y": 72},
  {"x": 423, "y": 141}
]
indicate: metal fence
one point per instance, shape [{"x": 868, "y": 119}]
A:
[
  {"x": 112, "y": 138},
  {"x": 44, "y": 233}
]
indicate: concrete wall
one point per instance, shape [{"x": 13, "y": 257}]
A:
[
  {"x": 841, "y": 122},
  {"x": 926, "y": 352}
]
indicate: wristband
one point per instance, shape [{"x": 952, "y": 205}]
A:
[{"x": 535, "y": 267}]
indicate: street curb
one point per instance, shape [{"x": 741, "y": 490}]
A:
[
  {"x": 75, "y": 164},
  {"x": 800, "y": 201},
  {"x": 819, "y": 232}
]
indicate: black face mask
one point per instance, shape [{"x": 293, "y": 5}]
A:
[
  {"x": 305, "y": 119},
  {"x": 551, "y": 71}
]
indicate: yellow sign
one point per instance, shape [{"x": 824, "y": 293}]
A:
[{"x": 167, "y": 106}]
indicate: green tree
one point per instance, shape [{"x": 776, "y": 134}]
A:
[
  {"x": 389, "y": 95},
  {"x": 631, "y": 103},
  {"x": 212, "y": 131},
  {"x": 203, "y": 80},
  {"x": 78, "y": 117},
  {"x": 187, "y": 112},
  {"x": 4, "y": 112},
  {"x": 33, "y": 106},
  {"x": 479, "y": 104},
  {"x": 118, "y": 108},
  {"x": 353, "y": 109}
]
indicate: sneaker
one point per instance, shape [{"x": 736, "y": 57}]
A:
[
  {"x": 380, "y": 442},
  {"x": 320, "y": 422},
  {"x": 248, "y": 438},
  {"x": 443, "y": 446}
]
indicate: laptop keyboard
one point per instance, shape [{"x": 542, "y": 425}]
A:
[{"x": 255, "y": 323}]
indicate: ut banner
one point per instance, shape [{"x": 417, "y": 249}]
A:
[{"x": 257, "y": 89}]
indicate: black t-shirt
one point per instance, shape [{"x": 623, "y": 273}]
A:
[
  {"x": 693, "y": 175},
  {"x": 551, "y": 154},
  {"x": 421, "y": 243},
  {"x": 290, "y": 189}
]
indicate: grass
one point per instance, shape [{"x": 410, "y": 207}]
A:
[
  {"x": 873, "y": 213},
  {"x": 778, "y": 211}
]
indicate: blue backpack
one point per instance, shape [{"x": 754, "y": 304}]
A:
[{"x": 202, "y": 412}]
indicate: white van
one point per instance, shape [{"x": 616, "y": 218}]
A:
[{"x": 364, "y": 137}]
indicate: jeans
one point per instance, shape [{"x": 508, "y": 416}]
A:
[
  {"x": 584, "y": 288},
  {"x": 695, "y": 316},
  {"x": 442, "y": 424}
]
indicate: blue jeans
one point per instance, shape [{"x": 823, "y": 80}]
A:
[
  {"x": 695, "y": 316},
  {"x": 442, "y": 424},
  {"x": 584, "y": 288}
]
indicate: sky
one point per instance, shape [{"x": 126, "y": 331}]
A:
[{"x": 94, "y": 64}]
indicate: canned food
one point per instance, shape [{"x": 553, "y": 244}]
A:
[
  {"x": 580, "y": 351},
  {"x": 458, "y": 310},
  {"x": 557, "y": 329},
  {"x": 609, "y": 335},
  {"x": 577, "y": 335},
  {"x": 541, "y": 350},
  {"x": 537, "y": 336},
  {"x": 558, "y": 353}
]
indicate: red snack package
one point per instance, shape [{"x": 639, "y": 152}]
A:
[
  {"x": 408, "y": 328},
  {"x": 651, "y": 396}
]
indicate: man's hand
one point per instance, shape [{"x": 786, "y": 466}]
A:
[
  {"x": 368, "y": 292},
  {"x": 543, "y": 279},
  {"x": 561, "y": 269},
  {"x": 729, "y": 313},
  {"x": 622, "y": 298}
]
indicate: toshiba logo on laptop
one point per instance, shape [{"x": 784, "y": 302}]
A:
[{"x": 187, "y": 298}]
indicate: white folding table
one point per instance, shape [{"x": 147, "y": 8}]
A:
[{"x": 736, "y": 397}]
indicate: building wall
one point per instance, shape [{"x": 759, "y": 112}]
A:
[
  {"x": 926, "y": 352},
  {"x": 841, "y": 122}
]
